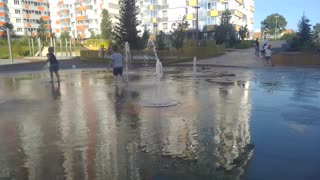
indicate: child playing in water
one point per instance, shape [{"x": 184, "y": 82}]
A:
[
  {"x": 117, "y": 63},
  {"x": 268, "y": 55},
  {"x": 54, "y": 64}
]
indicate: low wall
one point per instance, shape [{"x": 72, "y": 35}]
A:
[
  {"x": 302, "y": 59},
  {"x": 183, "y": 53}
]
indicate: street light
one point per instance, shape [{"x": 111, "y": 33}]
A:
[
  {"x": 197, "y": 23},
  {"x": 275, "y": 28}
]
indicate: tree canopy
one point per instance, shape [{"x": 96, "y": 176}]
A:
[
  {"x": 4, "y": 27},
  {"x": 42, "y": 31},
  {"x": 179, "y": 34},
  {"x": 226, "y": 31},
  {"x": 304, "y": 30},
  {"x": 126, "y": 29},
  {"x": 274, "y": 22},
  {"x": 106, "y": 25}
]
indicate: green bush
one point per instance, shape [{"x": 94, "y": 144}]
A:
[
  {"x": 244, "y": 44},
  {"x": 17, "y": 51}
]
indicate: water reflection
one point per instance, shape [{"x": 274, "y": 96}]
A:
[{"x": 94, "y": 130}]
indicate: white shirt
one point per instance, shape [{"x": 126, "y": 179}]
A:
[{"x": 268, "y": 53}]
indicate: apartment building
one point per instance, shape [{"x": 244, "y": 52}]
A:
[
  {"x": 81, "y": 17},
  {"x": 163, "y": 14},
  {"x": 25, "y": 15},
  {"x": 4, "y": 17}
]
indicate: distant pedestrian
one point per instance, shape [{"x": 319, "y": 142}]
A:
[
  {"x": 117, "y": 63},
  {"x": 268, "y": 55},
  {"x": 265, "y": 41},
  {"x": 257, "y": 47},
  {"x": 102, "y": 51},
  {"x": 54, "y": 64}
]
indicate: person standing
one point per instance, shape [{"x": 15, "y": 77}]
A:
[
  {"x": 117, "y": 63},
  {"x": 257, "y": 47},
  {"x": 54, "y": 64},
  {"x": 268, "y": 55}
]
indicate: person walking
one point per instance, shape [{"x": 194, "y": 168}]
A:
[
  {"x": 257, "y": 47},
  {"x": 117, "y": 63},
  {"x": 54, "y": 64}
]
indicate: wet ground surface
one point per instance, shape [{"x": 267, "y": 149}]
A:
[{"x": 230, "y": 123}]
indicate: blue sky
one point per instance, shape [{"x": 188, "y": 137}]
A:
[{"x": 292, "y": 10}]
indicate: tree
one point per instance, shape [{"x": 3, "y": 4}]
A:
[
  {"x": 316, "y": 33},
  {"x": 4, "y": 27},
  {"x": 106, "y": 25},
  {"x": 179, "y": 34},
  {"x": 160, "y": 41},
  {"x": 145, "y": 36},
  {"x": 42, "y": 31},
  {"x": 243, "y": 32},
  {"x": 126, "y": 29},
  {"x": 304, "y": 30},
  {"x": 226, "y": 32},
  {"x": 65, "y": 35},
  {"x": 274, "y": 22}
]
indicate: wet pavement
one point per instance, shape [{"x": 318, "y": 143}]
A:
[{"x": 230, "y": 123}]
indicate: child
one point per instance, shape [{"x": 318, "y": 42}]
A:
[
  {"x": 54, "y": 64},
  {"x": 268, "y": 55},
  {"x": 117, "y": 63}
]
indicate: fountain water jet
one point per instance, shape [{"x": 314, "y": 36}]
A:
[
  {"x": 158, "y": 100},
  {"x": 128, "y": 55}
]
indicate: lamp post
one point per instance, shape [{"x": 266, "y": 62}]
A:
[
  {"x": 197, "y": 23},
  {"x": 275, "y": 28}
]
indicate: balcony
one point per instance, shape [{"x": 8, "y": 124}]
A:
[
  {"x": 163, "y": 19},
  {"x": 158, "y": 7},
  {"x": 251, "y": 8},
  {"x": 192, "y": 3},
  {"x": 240, "y": 1},
  {"x": 238, "y": 14},
  {"x": 81, "y": 8},
  {"x": 214, "y": 13},
  {"x": 190, "y": 16},
  {"x": 154, "y": 20},
  {"x": 81, "y": 18}
]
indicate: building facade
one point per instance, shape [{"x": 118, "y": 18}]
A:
[
  {"x": 162, "y": 15},
  {"x": 81, "y": 18},
  {"x": 4, "y": 12},
  {"x": 25, "y": 15}
]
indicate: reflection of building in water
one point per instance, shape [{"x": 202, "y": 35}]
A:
[
  {"x": 210, "y": 126},
  {"x": 231, "y": 135}
]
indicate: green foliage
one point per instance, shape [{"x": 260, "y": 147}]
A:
[
  {"x": 274, "y": 22},
  {"x": 179, "y": 34},
  {"x": 4, "y": 27},
  {"x": 288, "y": 37},
  {"x": 126, "y": 29},
  {"x": 42, "y": 31},
  {"x": 226, "y": 32},
  {"x": 106, "y": 25},
  {"x": 160, "y": 41},
  {"x": 145, "y": 37},
  {"x": 245, "y": 44},
  {"x": 243, "y": 32},
  {"x": 304, "y": 30},
  {"x": 65, "y": 35},
  {"x": 17, "y": 51}
]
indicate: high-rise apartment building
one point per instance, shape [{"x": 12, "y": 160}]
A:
[
  {"x": 4, "y": 17},
  {"x": 25, "y": 15},
  {"x": 162, "y": 14},
  {"x": 80, "y": 17}
]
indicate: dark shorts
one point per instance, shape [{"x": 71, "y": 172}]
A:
[
  {"x": 54, "y": 67},
  {"x": 267, "y": 58},
  {"x": 117, "y": 71}
]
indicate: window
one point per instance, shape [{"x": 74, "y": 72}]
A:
[
  {"x": 17, "y": 11},
  {"x": 16, "y": 2},
  {"x": 19, "y": 29},
  {"x": 18, "y": 20},
  {"x": 226, "y": 5},
  {"x": 165, "y": 26},
  {"x": 164, "y": 1},
  {"x": 164, "y": 13}
]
